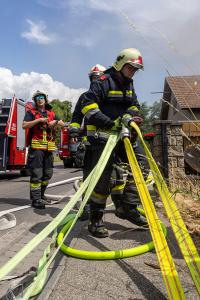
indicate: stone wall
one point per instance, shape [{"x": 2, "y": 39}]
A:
[{"x": 167, "y": 149}]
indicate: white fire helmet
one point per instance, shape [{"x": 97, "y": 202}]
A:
[
  {"x": 38, "y": 93},
  {"x": 130, "y": 56},
  {"x": 96, "y": 70}
]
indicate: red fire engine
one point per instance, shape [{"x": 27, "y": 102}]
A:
[
  {"x": 67, "y": 150},
  {"x": 13, "y": 150}
]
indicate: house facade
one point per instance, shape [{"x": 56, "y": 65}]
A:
[
  {"x": 176, "y": 146},
  {"x": 181, "y": 98}
]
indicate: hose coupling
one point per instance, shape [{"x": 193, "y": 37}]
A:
[{"x": 125, "y": 132}]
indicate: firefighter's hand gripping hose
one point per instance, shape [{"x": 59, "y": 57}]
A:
[{"x": 183, "y": 238}]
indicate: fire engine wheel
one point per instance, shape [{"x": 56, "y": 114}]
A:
[{"x": 68, "y": 162}]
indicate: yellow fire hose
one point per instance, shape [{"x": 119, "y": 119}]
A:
[
  {"x": 181, "y": 233},
  {"x": 169, "y": 273},
  {"x": 104, "y": 255},
  {"x": 157, "y": 229}
]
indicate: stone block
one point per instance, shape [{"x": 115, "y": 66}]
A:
[
  {"x": 177, "y": 173},
  {"x": 172, "y": 141},
  {"x": 175, "y": 151},
  {"x": 173, "y": 184},
  {"x": 176, "y": 129},
  {"x": 168, "y": 130},
  {"x": 172, "y": 162},
  {"x": 179, "y": 140},
  {"x": 180, "y": 162}
]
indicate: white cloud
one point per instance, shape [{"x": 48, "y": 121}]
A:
[
  {"x": 36, "y": 33},
  {"x": 25, "y": 84},
  {"x": 152, "y": 8},
  {"x": 177, "y": 21}
]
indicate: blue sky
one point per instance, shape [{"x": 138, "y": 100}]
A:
[{"x": 51, "y": 44}]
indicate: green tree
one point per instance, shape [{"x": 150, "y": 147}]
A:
[
  {"x": 155, "y": 111},
  {"x": 150, "y": 114},
  {"x": 144, "y": 111},
  {"x": 62, "y": 109}
]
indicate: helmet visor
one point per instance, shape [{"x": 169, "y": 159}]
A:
[
  {"x": 39, "y": 97},
  {"x": 137, "y": 63}
]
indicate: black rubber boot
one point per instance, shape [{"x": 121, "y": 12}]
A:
[
  {"x": 44, "y": 198},
  {"x": 130, "y": 213},
  {"x": 118, "y": 203},
  {"x": 35, "y": 196},
  {"x": 96, "y": 226},
  {"x": 117, "y": 199},
  {"x": 39, "y": 204},
  {"x": 85, "y": 214}
]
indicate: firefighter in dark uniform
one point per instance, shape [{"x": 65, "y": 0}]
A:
[
  {"x": 75, "y": 127},
  {"x": 110, "y": 101},
  {"x": 77, "y": 116},
  {"x": 41, "y": 122}
]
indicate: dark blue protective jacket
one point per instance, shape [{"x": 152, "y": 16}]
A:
[{"x": 107, "y": 99}]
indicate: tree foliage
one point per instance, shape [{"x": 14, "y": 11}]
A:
[
  {"x": 150, "y": 114},
  {"x": 155, "y": 111},
  {"x": 62, "y": 109}
]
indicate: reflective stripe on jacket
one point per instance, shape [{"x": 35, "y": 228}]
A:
[{"x": 43, "y": 138}]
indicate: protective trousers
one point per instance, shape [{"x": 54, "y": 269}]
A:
[
  {"x": 40, "y": 163},
  {"x": 123, "y": 184},
  {"x": 113, "y": 180}
]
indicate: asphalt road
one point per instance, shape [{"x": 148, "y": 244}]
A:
[
  {"x": 134, "y": 278},
  {"x": 15, "y": 194}
]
